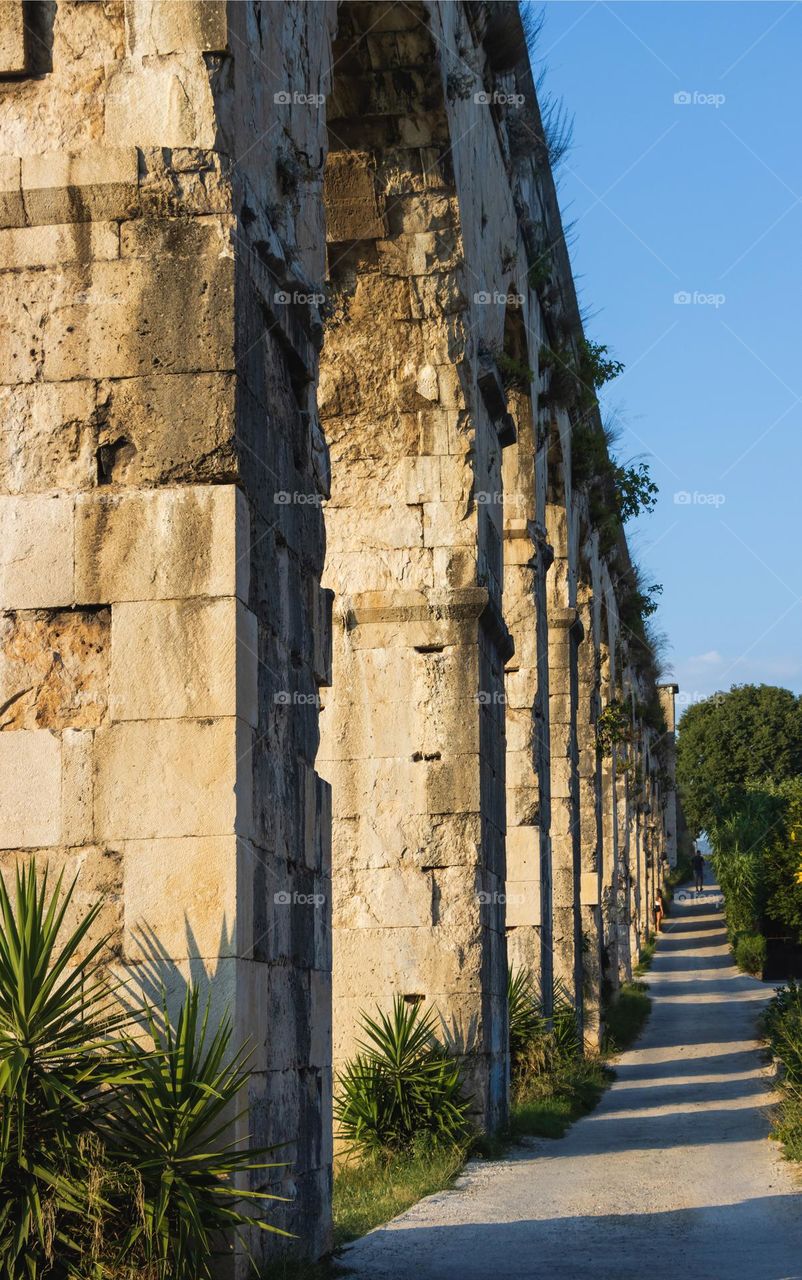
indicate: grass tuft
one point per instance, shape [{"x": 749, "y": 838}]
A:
[
  {"x": 376, "y": 1189},
  {"x": 626, "y": 1017}
]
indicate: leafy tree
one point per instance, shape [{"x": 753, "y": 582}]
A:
[{"x": 731, "y": 743}]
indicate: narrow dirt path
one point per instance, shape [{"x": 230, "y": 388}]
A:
[{"x": 671, "y": 1176}]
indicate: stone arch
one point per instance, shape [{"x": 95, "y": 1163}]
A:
[{"x": 413, "y": 730}]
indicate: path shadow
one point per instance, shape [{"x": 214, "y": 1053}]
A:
[{"x": 757, "y": 1239}]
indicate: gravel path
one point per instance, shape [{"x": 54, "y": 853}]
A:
[{"x": 671, "y": 1176}]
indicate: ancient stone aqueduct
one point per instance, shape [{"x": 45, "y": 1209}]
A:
[{"x": 306, "y": 628}]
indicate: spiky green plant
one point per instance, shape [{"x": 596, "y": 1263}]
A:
[
  {"x": 402, "y": 1086},
  {"x": 56, "y": 1021},
  {"x": 171, "y": 1126},
  {"x": 525, "y": 1013}
]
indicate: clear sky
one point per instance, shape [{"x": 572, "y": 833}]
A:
[{"x": 699, "y": 198}]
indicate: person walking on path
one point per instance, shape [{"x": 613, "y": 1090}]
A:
[{"x": 698, "y": 864}]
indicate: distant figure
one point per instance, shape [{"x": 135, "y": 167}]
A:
[
  {"x": 658, "y": 913},
  {"x": 698, "y": 864}
]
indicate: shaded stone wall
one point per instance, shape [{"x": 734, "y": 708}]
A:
[{"x": 164, "y": 630}]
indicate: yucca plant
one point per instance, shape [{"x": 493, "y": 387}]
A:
[
  {"x": 525, "y": 1012},
  {"x": 565, "y": 1023},
  {"x": 170, "y": 1126},
  {"x": 57, "y": 1018},
  {"x": 403, "y": 1087}
]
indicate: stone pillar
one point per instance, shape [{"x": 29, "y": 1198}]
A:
[
  {"x": 668, "y": 694},
  {"x": 527, "y": 557},
  {"x": 413, "y": 739},
  {"x": 627, "y": 864},
  {"x": 564, "y": 635},
  {"x": 161, "y": 474},
  {"x": 590, "y": 827}
]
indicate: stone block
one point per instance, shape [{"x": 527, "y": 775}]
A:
[
  {"x": 96, "y": 183},
  {"x": 178, "y": 427},
  {"x": 30, "y": 789},
  {"x": 36, "y": 552},
  {"x": 193, "y": 894},
  {"x": 162, "y": 26},
  {"x": 13, "y": 59},
  {"x": 172, "y": 778},
  {"x": 178, "y": 237},
  {"x": 388, "y": 898},
  {"x": 521, "y": 768},
  {"x": 132, "y": 316},
  {"x": 448, "y": 524},
  {"x": 49, "y": 437},
  {"x": 77, "y": 787},
  {"x": 57, "y": 244},
  {"x": 453, "y": 785},
  {"x": 54, "y": 669},
  {"x": 161, "y": 102},
  {"x": 589, "y": 889},
  {"x": 523, "y": 853},
  {"x": 183, "y": 658},
  {"x": 12, "y": 208},
  {"x": 352, "y": 207},
  {"x": 162, "y": 544},
  {"x": 422, "y": 480}
]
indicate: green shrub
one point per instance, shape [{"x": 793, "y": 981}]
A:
[
  {"x": 114, "y": 1163},
  {"x": 56, "y": 1020},
  {"x": 750, "y": 952},
  {"x": 170, "y": 1127},
  {"x": 782, "y": 1022},
  {"x": 402, "y": 1087},
  {"x": 526, "y": 1019}
]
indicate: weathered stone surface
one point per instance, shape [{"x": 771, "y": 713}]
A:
[
  {"x": 164, "y": 102},
  {"x": 206, "y": 660},
  {"x": 171, "y": 778},
  {"x": 161, "y": 544},
  {"x": 207, "y": 878},
  {"x": 54, "y": 669},
  {"x": 169, "y": 428},
  {"x": 133, "y": 317},
  {"x": 49, "y": 438},
  {"x": 48, "y": 246},
  {"x": 36, "y": 552},
  {"x": 77, "y": 787},
  {"x": 96, "y": 183},
  {"x": 30, "y": 789},
  {"x": 13, "y": 59},
  {"x": 161, "y": 26}
]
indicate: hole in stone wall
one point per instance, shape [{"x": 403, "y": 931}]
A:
[{"x": 110, "y": 454}]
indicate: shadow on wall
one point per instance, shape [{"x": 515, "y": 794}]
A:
[{"x": 156, "y": 974}]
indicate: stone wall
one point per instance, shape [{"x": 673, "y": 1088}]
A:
[{"x": 274, "y": 270}]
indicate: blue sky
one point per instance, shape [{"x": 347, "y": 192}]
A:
[{"x": 701, "y": 198}]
